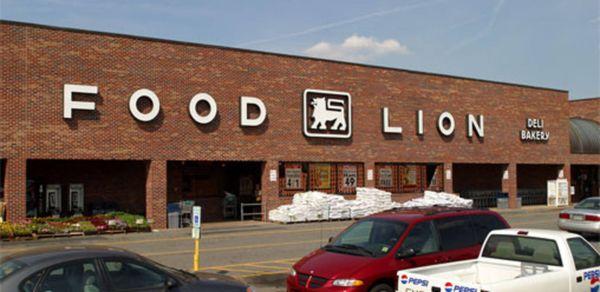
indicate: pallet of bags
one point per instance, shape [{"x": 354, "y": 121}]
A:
[{"x": 430, "y": 199}]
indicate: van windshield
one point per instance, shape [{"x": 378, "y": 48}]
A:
[
  {"x": 373, "y": 237},
  {"x": 523, "y": 249}
]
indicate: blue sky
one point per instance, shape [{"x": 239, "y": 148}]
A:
[{"x": 549, "y": 43}]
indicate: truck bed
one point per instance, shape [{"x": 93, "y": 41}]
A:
[{"x": 482, "y": 272}]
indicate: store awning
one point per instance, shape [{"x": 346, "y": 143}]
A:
[{"x": 585, "y": 136}]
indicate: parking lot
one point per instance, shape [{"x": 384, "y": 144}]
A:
[{"x": 259, "y": 253}]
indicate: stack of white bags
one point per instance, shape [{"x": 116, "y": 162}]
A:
[
  {"x": 317, "y": 206},
  {"x": 438, "y": 199}
]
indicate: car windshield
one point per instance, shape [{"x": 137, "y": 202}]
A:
[
  {"x": 9, "y": 267},
  {"x": 371, "y": 237},
  {"x": 593, "y": 204}
]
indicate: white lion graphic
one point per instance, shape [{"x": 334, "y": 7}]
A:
[{"x": 328, "y": 110}]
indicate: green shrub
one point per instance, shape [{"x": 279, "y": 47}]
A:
[
  {"x": 22, "y": 230},
  {"x": 87, "y": 227},
  {"x": 6, "y": 230},
  {"x": 130, "y": 219}
]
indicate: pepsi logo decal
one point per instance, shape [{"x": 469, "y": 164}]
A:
[
  {"x": 595, "y": 285},
  {"x": 448, "y": 287},
  {"x": 404, "y": 279},
  {"x": 458, "y": 288}
]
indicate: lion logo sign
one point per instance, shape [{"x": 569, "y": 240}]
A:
[
  {"x": 327, "y": 114},
  {"x": 326, "y": 110}
]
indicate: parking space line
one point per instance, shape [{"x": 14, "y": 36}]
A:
[
  {"x": 261, "y": 274},
  {"x": 246, "y": 263},
  {"x": 229, "y": 248},
  {"x": 235, "y": 270},
  {"x": 269, "y": 267}
]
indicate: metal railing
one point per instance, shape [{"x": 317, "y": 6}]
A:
[
  {"x": 483, "y": 198},
  {"x": 252, "y": 213},
  {"x": 533, "y": 196}
]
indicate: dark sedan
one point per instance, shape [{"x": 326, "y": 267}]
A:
[{"x": 95, "y": 269}]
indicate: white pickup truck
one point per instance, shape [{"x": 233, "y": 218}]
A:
[{"x": 515, "y": 260}]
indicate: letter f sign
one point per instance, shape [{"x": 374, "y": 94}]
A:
[{"x": 69, "y": 104}]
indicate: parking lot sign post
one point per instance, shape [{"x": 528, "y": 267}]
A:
[{"x": 197, "y": 222}]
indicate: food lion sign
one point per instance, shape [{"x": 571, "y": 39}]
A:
[{"x": 327, "y": 114}]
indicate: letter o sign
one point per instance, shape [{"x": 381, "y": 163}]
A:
[
  {"x": 205, "y": 97},
  {"x": 446, "y": 131},
  {"x": 133, "y": 108}
]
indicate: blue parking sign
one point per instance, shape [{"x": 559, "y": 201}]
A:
[{"x": 196, "y": 219}]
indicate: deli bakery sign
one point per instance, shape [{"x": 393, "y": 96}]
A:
[
  {"x": 325, "y": 114},
  {"x": 534, "y": 131}
]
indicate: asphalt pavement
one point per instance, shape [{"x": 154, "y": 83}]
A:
[{"x": 257, "y": 252}]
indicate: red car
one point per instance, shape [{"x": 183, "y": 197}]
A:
[{"x": 367, "y": 255}]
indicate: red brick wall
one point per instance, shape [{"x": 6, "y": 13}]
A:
[
  {"x": 585, "y": 108},
  {"x": 37, "y": 62}
]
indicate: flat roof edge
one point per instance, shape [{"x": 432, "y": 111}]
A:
[
  {"x": 155, "y": 39},
  {"x": 584, "y": 99}
]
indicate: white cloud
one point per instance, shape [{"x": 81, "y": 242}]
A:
[{"x": 357, "y": 49}]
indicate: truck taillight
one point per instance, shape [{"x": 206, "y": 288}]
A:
[
  {"x": 594, "y": 218},
  {"x": 563, "y": 216}
]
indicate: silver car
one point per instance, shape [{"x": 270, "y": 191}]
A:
[{"x": 584, "y": 218}]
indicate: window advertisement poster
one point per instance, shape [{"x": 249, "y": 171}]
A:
[
  {"x": 410, "y": 175},
  {"x": 322, "y": 172},
  {"x": 350, "y": 176},
  {"x": 293, "y": 177},
  {"x": 385, "y": 177}
]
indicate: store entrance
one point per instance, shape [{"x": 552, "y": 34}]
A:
[
  {"x": 480, "y": 182},
  {"x": 219, "y": 187},
  {"x": 585, "y": 179},
  {"x": 532, "y": 182}
]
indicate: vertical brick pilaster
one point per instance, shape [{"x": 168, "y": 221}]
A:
[
  {"x": 15, "y": 185},
  {"x": 369, "y": 167},
  {"x": 509, "y": 183},
  {"x": 269, "y": 190},
  {"x": 448, "y": 185},
  {"x": 156, "y": 193}
]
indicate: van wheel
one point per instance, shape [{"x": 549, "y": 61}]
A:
[{"x": 382, "y": 288}]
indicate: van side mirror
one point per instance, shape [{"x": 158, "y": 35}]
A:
[
  {"x": 330, "y": 239},
  {"x": 404, "y": 253}
]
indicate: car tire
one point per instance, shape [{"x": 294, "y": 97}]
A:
[{"x": 382, "y": 288}]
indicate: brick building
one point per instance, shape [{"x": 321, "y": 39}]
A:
[{"x": 132, "y": 123}]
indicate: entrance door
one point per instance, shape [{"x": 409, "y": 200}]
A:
[
  {"x": 53, "y": 199},
  {"x": 76, "y": 198}
]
